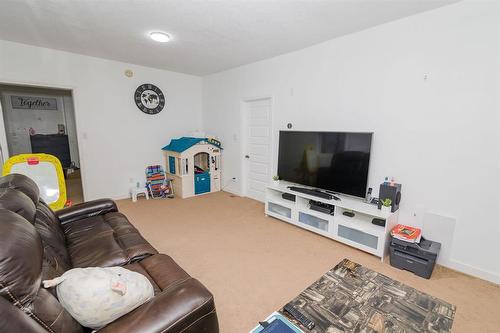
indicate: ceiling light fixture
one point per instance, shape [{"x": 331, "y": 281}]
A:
[{"x": 160, "y": 37}]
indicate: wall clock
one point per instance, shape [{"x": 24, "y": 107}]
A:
[{"x": 149, "y": 98}]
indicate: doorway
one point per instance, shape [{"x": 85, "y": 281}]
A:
[
  {"x": 257, "y": 146},
  {"x": 42, "y": 120}
]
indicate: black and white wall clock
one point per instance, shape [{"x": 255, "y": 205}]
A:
[{"x": 149, "y": 98}]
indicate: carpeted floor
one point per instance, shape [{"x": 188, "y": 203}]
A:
[{"x": 255, "y": 264}]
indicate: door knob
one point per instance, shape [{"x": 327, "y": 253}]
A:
[{"x": 246, "y": 156}]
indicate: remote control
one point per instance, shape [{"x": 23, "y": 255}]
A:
[{"x": 299, "y": 316}]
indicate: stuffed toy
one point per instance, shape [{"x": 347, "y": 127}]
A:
[{"x": 96, "y": 296}]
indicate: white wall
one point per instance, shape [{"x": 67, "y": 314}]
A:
[
  {"x": 427, "y": 86},
  {"x": 116, "y": 140}
]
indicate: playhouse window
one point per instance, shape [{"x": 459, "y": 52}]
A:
[
  {"x": 201, "y": 162},
  {"x": 171, "y": 164},
  {"x": 215, "y": 163},
  {"x": 184, "y": 166}
]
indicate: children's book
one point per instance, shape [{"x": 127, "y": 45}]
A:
[{"x": 406, "y": 233}]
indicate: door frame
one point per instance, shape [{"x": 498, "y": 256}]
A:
[
  {"x": 244, "y": 141},
  {"x": 74, "y": 96}
]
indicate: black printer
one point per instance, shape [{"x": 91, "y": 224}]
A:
[{"x": 418, "y": 258}]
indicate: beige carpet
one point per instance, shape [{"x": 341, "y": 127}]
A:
[{"x": 255, "y": 264}]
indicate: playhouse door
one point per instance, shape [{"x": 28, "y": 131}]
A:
[{"x": 202, "y": 183}]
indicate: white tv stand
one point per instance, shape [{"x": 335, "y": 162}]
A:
[{"x": 357, "y": 231}]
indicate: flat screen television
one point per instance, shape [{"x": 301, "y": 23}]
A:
[{"x": 335, "y": 161}]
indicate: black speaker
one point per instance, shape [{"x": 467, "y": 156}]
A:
[
  {"x": 288, "y": 196},
  {"x": 390, "y": 192}
]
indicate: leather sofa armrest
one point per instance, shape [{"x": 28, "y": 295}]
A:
[
  {"x": 12, "y": 319},
  {"x": 85, "y": 210},
  {"x": 186, "y": 307}
]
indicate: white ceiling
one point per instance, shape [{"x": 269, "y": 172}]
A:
[{"x": 207, "y": 36}]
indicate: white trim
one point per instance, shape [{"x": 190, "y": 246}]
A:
[
  {"x": 35, "y": 84},
  {"x": 4, "y": 145},
  {"x": 122, "y": 197},
  {"x": 473, "y": 271},
  {"x": 232, "y": 191}
]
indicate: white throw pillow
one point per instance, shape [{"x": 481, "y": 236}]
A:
[{"x": 96, "y": 296}]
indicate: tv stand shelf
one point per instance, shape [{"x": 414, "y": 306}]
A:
[{"x": 357, "y": 231}]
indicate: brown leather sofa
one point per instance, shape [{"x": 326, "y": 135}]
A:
[{"x": 38, "y": 244}]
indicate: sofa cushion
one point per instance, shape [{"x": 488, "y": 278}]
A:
[
  {"x": 19, "y": 194},
  {"x": 96, "y": 296},
  {"x": 22, "y": 183},
  {"x": 53, "y": 239},
  {"x": 50, "y": 313},
  {"x": 21, "y": 270},
  {"x": 13, "y": 319},
  {"x": 21, "y": 258},
  {"x": 17, "y": 202},
  {"x": 161, "y": 270},
  {"x": 104, "y": 241},
  {"x": 86, "y": 209},
  {"x": 181, "y": 303}
]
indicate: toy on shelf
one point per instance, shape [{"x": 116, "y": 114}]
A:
[
  {"x": 194, "y": 164},
  {"x": 46, "y": 171},
  {"x": 157, "y": 184}
]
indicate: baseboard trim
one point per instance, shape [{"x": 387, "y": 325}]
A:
[
  {"x": 235, "y": 192},
  {"x": 472, "y": 271},
  {"x": 121, "y": 197}
]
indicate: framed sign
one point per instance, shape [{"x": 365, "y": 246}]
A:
[
  {"x": 149, "y": 98},
  {"x": 33, "y": 103}
]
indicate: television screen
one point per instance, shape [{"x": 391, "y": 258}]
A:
[{"x": 335, "y": 161}]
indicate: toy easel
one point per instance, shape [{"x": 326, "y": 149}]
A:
[{"x": 46, "y": 171}]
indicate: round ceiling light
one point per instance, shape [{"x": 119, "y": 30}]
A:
[{"x": 160, "y": 37}]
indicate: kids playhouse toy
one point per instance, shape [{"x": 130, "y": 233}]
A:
[
  {"x": 194, "y": 164},
  {"x": 46, "y": 171}
]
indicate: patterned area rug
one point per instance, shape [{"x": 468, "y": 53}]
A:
[{"x": 352, "y": 298}]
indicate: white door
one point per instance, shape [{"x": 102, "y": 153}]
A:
[{"x": 257, "y": 147}]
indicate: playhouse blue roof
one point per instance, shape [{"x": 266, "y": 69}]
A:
[{"x": 184, "y": 143}]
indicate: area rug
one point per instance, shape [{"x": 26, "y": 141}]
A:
[{"x": 353, "y": 298}]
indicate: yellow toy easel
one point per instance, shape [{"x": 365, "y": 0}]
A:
[{"x": 46, "y": 171}]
